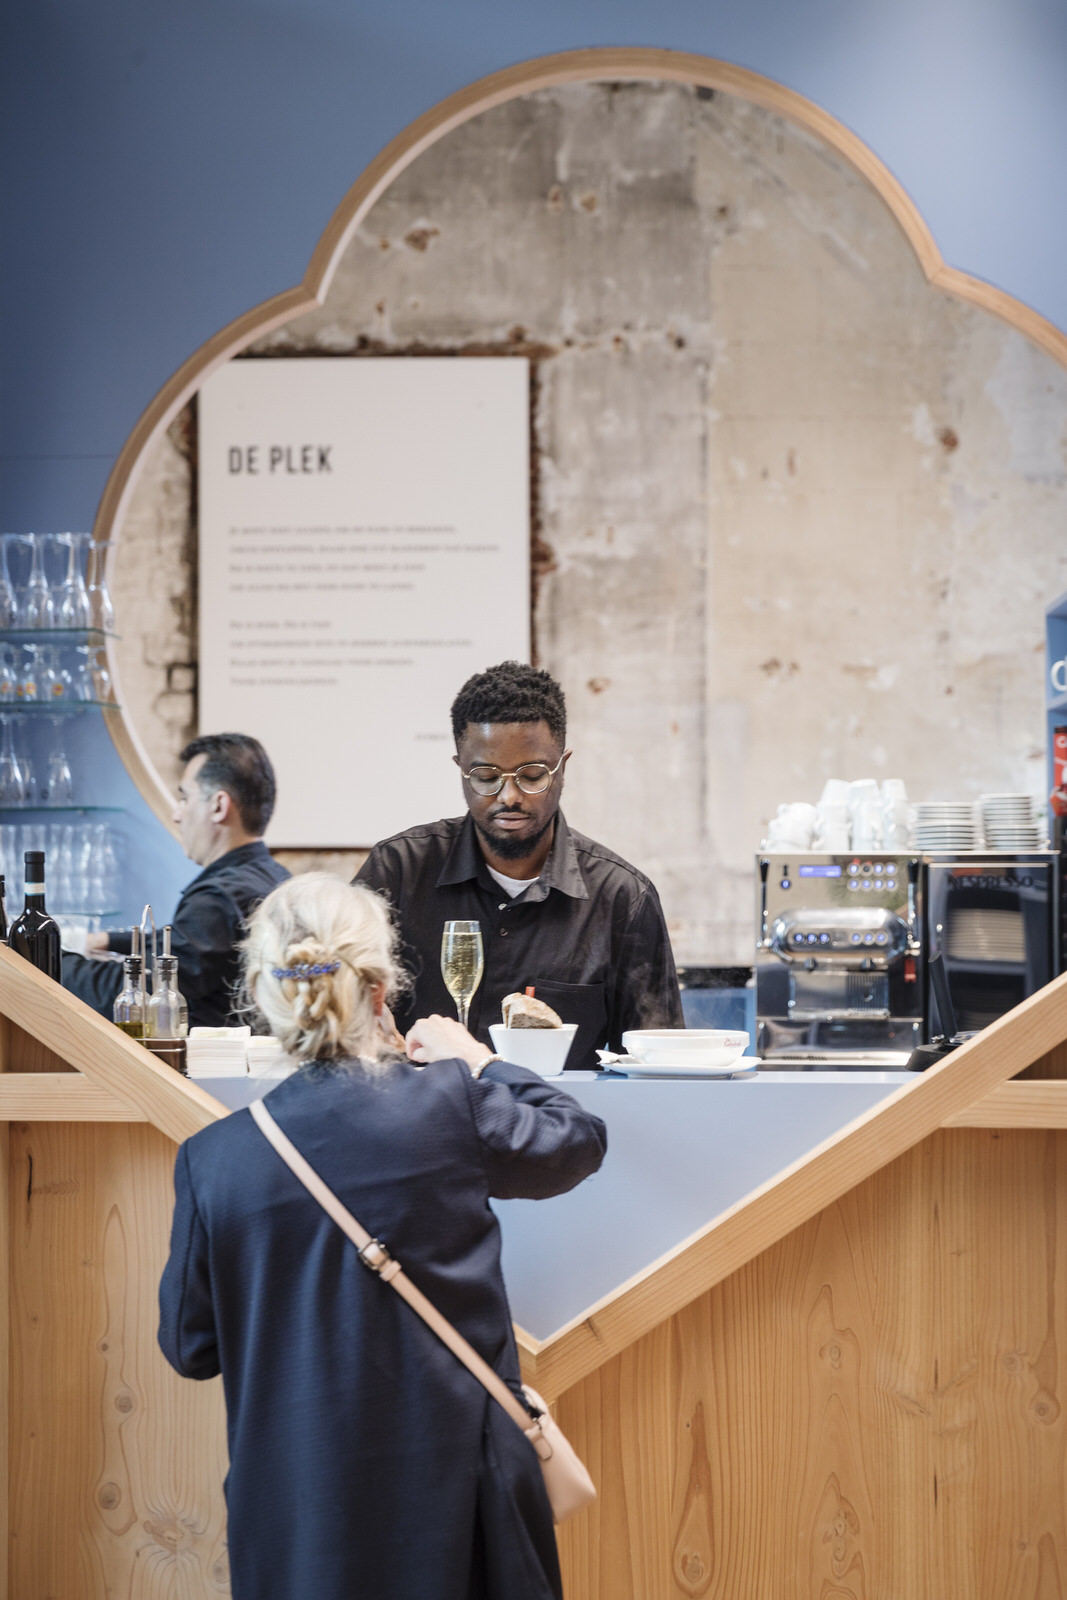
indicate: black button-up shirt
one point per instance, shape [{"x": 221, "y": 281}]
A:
[
  {"x": 208, "y": 924},
  {"x": 588, "y": 934}
]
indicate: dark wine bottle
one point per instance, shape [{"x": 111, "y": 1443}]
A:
[
  {"x": 3, "y": 912},
  {"x": 34, "y": 935}
]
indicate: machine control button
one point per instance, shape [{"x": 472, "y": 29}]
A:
[
  {"x": 824, "y": 938},
  {"x": 856, "y": 937},
  {"x": 866, "y": 867},
  {"x": 890, "y": 883},
  {"x": 868, "y": 938},
  {"x": 853, "y": 884},
  {"x": 878, "y": 884},
  {"x": 853, "y": 868},
  {"x": 880, "y": 938},
  {"x": 866, "y": 884},
  {"x": 812, "y": 938},
  {"x": 785, "y": 884},
  {"x": 798, "y": 938},
  {"x": 879, "y": 866}
]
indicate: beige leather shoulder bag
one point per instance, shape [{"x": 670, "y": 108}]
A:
[{"x": 569, "y": 1486}]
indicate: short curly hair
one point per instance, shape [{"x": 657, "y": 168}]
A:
[{"x": 510, "y": 692}]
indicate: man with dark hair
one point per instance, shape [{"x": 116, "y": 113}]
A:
[
  {"x": 557, "y": 911},
  {"x": 225, "y": 801}
]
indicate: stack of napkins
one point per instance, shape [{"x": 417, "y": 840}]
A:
[
  {"x": 267, "y": 1059},
  {"x": 217, "y": 1052}
]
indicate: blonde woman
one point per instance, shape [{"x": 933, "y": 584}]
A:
[{"x": 365, "y": 1461}]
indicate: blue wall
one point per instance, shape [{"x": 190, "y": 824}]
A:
[{"x": 169, "y": 163}]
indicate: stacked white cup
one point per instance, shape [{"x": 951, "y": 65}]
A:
[
  {"x": 896, "y": 815},
  {"x": 792, "y": 829},
  {"x": 865, "y": 814},
  {"x": 832, "y": 832}
]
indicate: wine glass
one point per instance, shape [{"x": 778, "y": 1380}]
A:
[
  {"x": 63, "y": 869},
  {"x": 8, "y": 676},
  {"x": 26, "y": 683},
  {"x": 71, "y": 597},
  {"x": 21, "y": 743},
  {"x": 101, "y": 610},
  {"x": 12, "y": 782},
  {"x": 38, "y": 610},
  {"x": 82, "y": 678},
  {"x": 58, "y": 789},
  {"x": 9, "y": 606},
  {"x": 53, "y": 683},
  {"x": 462, "y": 963},
  {"x": 101, "y": 677}
]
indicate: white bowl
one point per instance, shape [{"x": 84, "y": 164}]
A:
[
  {"x": 716, "y": 1047},
  {"x": 543, "y": 1050}
]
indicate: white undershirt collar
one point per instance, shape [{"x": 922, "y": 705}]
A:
[{"x": 510, "y": 886}]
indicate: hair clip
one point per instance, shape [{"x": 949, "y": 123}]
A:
[{"x": 303, "y": 969}]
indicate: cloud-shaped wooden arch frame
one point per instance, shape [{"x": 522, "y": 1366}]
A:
[{"x": 578, "y": 66}]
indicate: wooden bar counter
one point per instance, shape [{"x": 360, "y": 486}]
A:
[{"x": 845, "y": 1386}]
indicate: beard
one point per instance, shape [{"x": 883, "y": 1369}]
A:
[{"x": 514, "y": 847}]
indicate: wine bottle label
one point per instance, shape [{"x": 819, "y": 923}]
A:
[{"x": 35, "y": 888}]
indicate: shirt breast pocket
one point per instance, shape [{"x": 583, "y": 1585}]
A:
[{"x": 585, "y": 1004}]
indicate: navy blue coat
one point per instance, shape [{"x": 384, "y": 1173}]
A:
[{"x": 365, "y": 1461}]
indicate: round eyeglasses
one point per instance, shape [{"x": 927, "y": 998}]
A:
[{"x": 532, "y": 778}]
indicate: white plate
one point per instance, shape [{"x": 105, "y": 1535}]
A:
[{"x": 746, "y": 1067}]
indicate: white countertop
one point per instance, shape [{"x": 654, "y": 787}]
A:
[{"x": 680, "y": 1152}]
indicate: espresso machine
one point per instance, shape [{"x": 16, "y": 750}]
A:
[{"x": 839, "y": 970}]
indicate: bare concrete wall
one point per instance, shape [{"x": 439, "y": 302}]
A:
[{"x": 799, "y": 512}]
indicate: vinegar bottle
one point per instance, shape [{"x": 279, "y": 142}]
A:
[{"x": 128, "y": 1010}]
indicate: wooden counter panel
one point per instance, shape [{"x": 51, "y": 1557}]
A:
[
  {"x": 116, "y": 1463},
  {"x": 21, "y": 1052},
  {"x": 871, "y": 1409},
  {"x": 1052, "y": 1065}
]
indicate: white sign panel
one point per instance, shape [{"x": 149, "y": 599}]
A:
[{"x": 364, "y": 547}]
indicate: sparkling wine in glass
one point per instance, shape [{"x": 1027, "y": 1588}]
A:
[{"x": 462, "y": 963}]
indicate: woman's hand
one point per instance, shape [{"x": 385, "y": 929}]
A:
[{"x": 443, "y": 1039}]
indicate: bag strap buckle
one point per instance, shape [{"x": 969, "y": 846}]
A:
[{"x": 375, "y": 1256}]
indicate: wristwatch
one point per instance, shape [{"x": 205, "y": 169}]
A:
[{"x": 477, "y": 1071}]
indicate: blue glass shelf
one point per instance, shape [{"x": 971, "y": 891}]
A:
[
  {"x": 55, "y": 635},
  {"x": 54, "y": 708},
  {"x": 58, "y": 811}
]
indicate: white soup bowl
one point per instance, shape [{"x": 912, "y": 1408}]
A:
[{"x": 543, "y": 1050}]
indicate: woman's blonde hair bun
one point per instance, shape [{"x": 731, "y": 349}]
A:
[{"x": 319, "y": 954}]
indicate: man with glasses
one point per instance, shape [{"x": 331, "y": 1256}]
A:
[{"x": 558, "y": 912}]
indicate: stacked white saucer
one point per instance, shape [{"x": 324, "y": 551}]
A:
[
  {"x": 946, "y": 825},
  {"x": 1010, "y": 822}
]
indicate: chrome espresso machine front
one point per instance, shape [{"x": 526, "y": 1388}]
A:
[{"x": 839, "y": 959}]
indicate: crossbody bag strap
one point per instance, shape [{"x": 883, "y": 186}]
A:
[{"x": 374, "y": 1255}]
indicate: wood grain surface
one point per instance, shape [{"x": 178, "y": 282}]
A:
[
  {"x": 1022, "y": 1103},
  {"x": 59, "y": 1097},
  {"x": 75, "y": 1036},
  {"x": 1051, "y": 1065},
  {"x": 21, "y": 1053},
  {"x": 870, "y": 1410},
  {"x": 760, "y": 1219},
  {"x": 116, "y": 1469}
]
